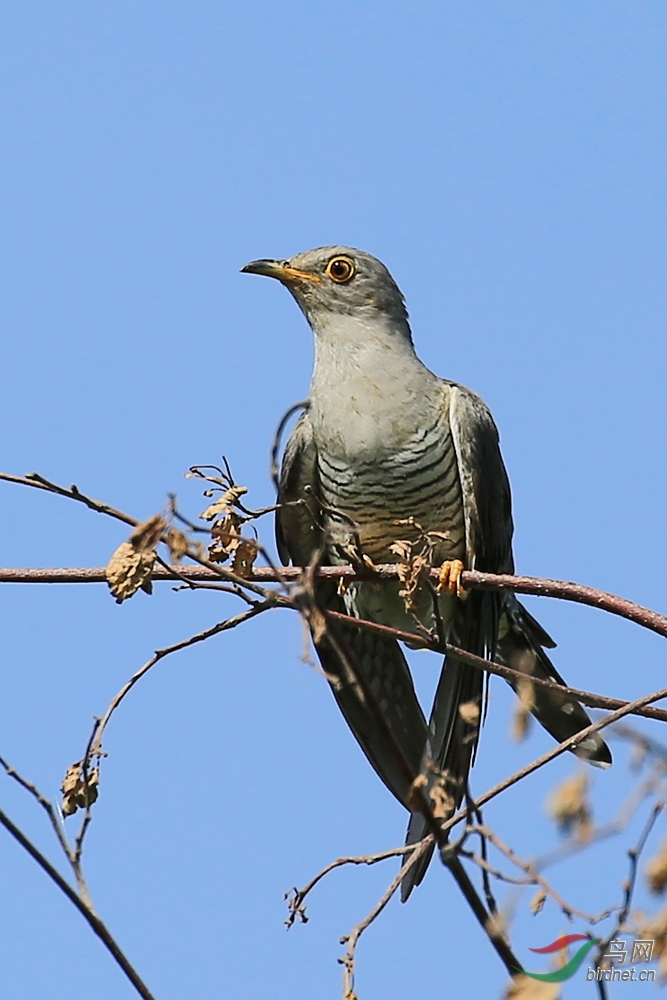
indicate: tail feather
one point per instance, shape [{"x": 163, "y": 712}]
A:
[
  {"x": 520, "y": 647},
  {"x": 450, "y": 748},
  {"x": 392, "y": 730},
  {"x": 453, "y": 732}
]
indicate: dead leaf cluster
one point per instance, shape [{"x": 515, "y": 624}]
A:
[
  {"x": 656, "y": 869},
  {"x": 131, "y": 565},
  {"x": 568, "y": 805},
  {"x": 525, "y": 988},
  {"x": 412, "y": 569},
  {"x": 79, "y": 789},
  {"x": 524, "y": 705},
  {"x": 654, "y": 929}
]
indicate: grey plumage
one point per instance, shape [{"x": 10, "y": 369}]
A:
[{"x": 383, "y": 440}]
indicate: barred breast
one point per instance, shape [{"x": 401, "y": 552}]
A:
[{"x": 418, "y": 479}]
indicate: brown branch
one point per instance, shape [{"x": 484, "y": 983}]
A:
[
  {"x": 556, "y": 751},
  {"x": 536, "y": 586},
  {"x": 296, "y": 897},
  {"x": 352, "y": 940},
  {"x": 634, "y": 854},
  {"x": 285, "y": 574},
  {"x": 84, "y": 909},
  {"x": 94, "y": 748},
  {"x": 73, "y": 855},
  {"x": 587, "y": 697}
]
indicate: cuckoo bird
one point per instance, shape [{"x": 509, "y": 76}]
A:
[{"x": 385, "y": 451}]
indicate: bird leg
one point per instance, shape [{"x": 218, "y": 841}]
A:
[{"x": 450, "y": 578}]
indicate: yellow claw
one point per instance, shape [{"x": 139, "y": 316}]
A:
[{"x": 450, "y": 578}]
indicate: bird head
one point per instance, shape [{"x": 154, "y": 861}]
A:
[{"x": 338, "y": 281}]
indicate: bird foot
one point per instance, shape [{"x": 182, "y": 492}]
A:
[{"x": 450, "y": 578}]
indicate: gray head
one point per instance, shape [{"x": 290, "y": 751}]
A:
[{"x": 338, "y": 280}]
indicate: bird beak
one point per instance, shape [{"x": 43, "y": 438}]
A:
[{"x": 279, "y": 269}]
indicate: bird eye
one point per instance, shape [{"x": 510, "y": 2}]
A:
[{"x": 340, "y": 269}]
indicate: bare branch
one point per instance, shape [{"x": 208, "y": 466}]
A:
[
  {"x": 296, "y": 897},
  {"x": 94, "y": 748},
  {"x": 98, "y": 927},
  {"x": 634, "y": 854},
  {"x": 556, "y": 751},
  {"x": 348, "y": 960},
  {"x": 536, "y": 586},
  {"x": 285, "y": 574}
]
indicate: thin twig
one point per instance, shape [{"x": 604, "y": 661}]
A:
[
  {"x": 46, "y": 805},
  {"x": 275, "y": 448},
  {"x": 98, "y": 927},
  {"x": 536, "y": 586},
  {"x": 352, "y": 940},
  {"x": 556, "y": 751},
  {"x": 533, "y": 877},
  {"x": 634, "y": 854},
  {"x": 94, "y": 748},
  {"x": 296, "y": 897},
  {"x": 267, "y": 574}
]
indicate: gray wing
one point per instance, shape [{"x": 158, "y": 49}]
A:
[
  {"x": 517, "y": 639},
  {"x": 492, "y": 625},
  {"x": 368, "y": 673},
  {"x": 453, "y": 735}
]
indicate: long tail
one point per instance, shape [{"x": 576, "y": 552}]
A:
[
  {"x": 520, "y": 646},
  {"x": 454, "y": 724},
  {"x": 371, "y": 682},
  {"x": 452, "y": 730}
]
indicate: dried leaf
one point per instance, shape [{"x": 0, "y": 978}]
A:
[
  {"x": 244, "y": 557},
  {"x": 443, "y": 805},
  {"x": 411, "y": 570},
  {"x": 415, "y": 799},
  {"x": 147, "y": 534},
  {"x": 520, "y": 724},
  {"x": 521, "y": 716},
  {"x": 653, "y": 929},
  {"x": 525, "y": 988},
  {"x": 538, "y": 901},
  {"x": 656, "y": 869},
  {"x": 639, "y": 753},
  {"x": 442, "y": 535},
  {"x": 224, "y": 504},
  {"x": 177, "y": 543},
  {"x": 131, "y": 565},
  {"x": 496, "y": 925},
  {"x": 402, "y": 549},
  {"x": 469, "y": 712},
  {"x": 79, "y": 790},
  {"x": 568, "y": 806},
  {"x": 128, "y": 570},
  {"x": 226, "y": 537}
]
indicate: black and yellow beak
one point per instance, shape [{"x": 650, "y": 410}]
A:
[{"x": 281, "y": 270}]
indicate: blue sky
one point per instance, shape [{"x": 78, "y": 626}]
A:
[{"x": 507, "y": 162}]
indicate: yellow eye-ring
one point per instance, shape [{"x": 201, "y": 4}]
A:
[{"x": 340, "y": 269}]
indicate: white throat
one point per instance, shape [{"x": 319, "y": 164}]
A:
[{"x": 369, "y": 389}]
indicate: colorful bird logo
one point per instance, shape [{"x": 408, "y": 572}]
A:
[{"x": 568, "y": 970}]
